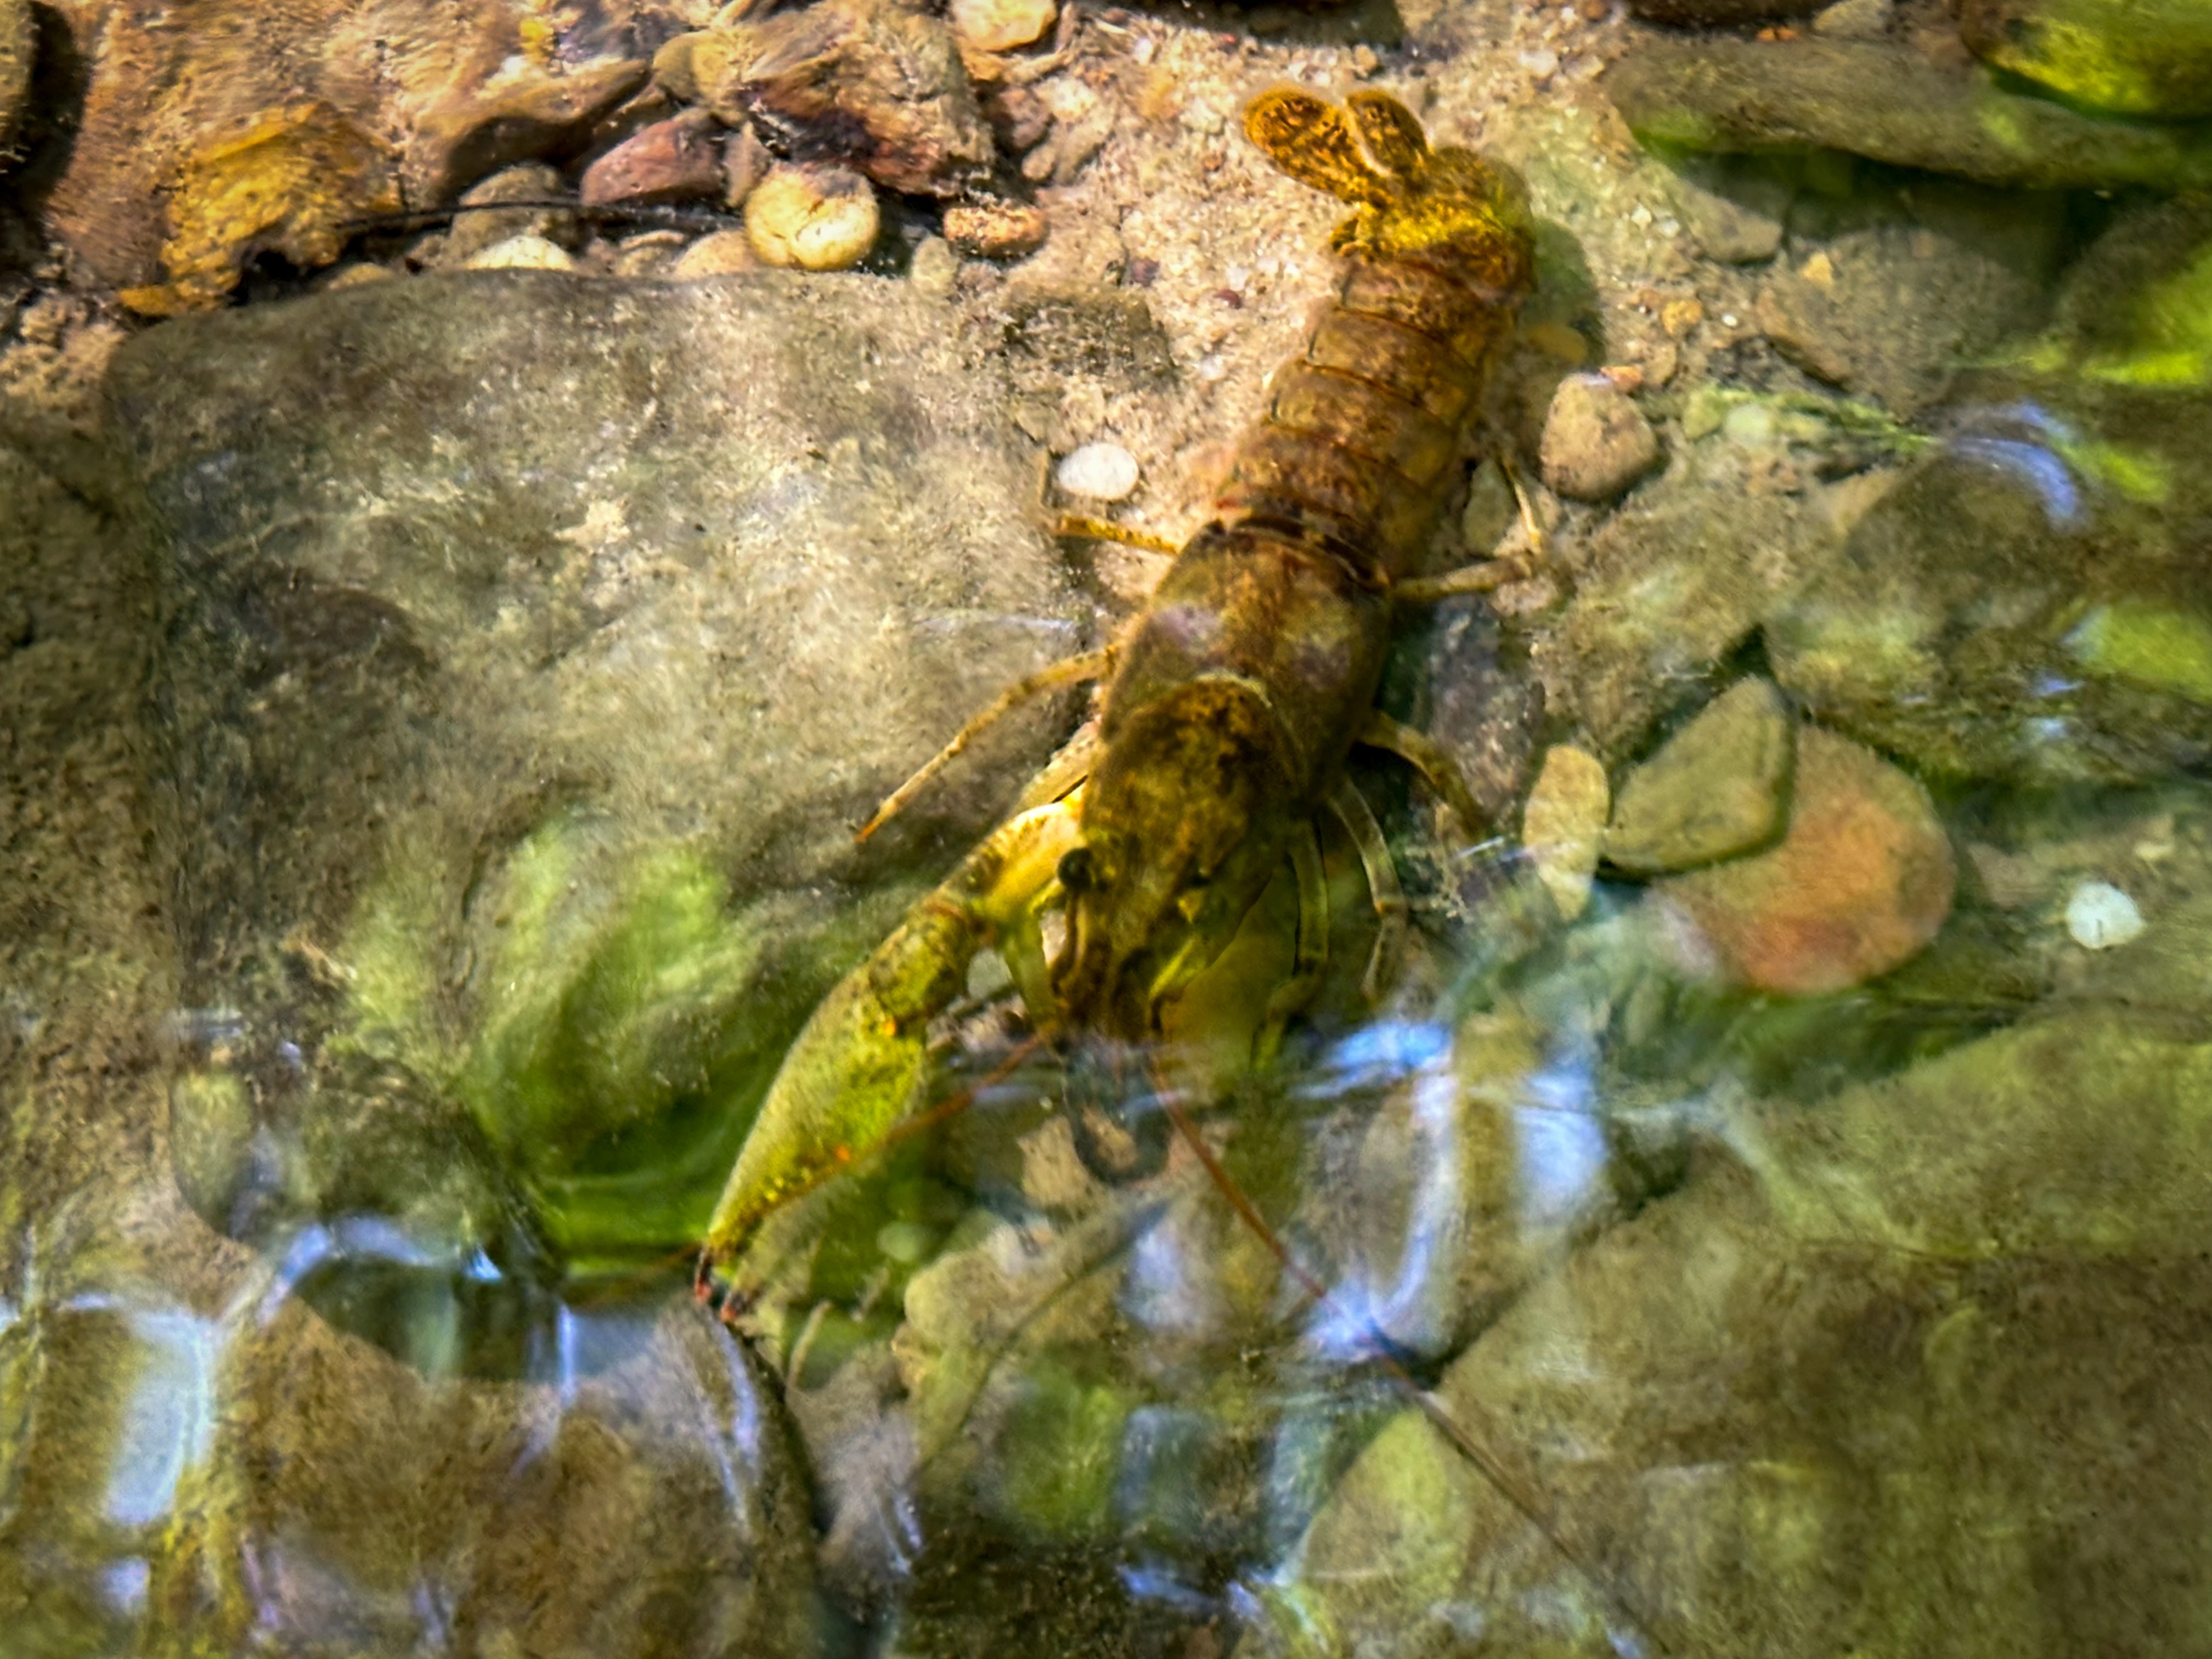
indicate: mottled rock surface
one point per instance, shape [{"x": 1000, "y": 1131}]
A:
[
  {"x": 877, "y": 84},
  {"x": 1858, "y": 884},
  {"x": 443, "y": 94},
  {"x": 1849, "y": 1378},
  {"x": 2132, "y": 57},
  {"x": 1596, "y": 442},
  {"x": 18, "y": 42},
  {"x": 1891, "y": 104},
  {"x": 1719, "y": 788},
  {"x": 536, "y": 643}
]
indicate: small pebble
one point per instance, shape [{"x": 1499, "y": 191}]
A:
[
  {"x": 2099, "y": 915},
  {"x": 817, "y": 217},
  {"x": 995, "y": 230},
  {"x": 1716, "y": 789},
  {"x": 522, "y": 253},
  {"x": 745, "y": 163},
  {"x": 721, "y": 254},
  {"x": 1103, "y": 472},
  {"x": 355, "y": 275},
  {"x": 1563, "y": 825},
  {"x": 933, "y": 267},
  {"x": 481, "y": 228},
  {"x": 677, "y": 160},
  {"x": 1596, "y": 442},
  {"x": 1749, "y": 426},
  {"x": 1002, "y": 24}
]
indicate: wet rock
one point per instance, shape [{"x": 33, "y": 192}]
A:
[
  {"x": 595, "y": 1511},
  {"x": 812, "y": 215},
  {"x": 1889, "y": 103},
  {"x": 2099, "y": 916},
  {"x": 677, "y": 160},
  {"x": 1563, "y": 824},
  {"x": 1890, "y": 311},
  {"x": 522, "y": 253},
  {"x": 462, "y": 138},
  {"x": 1596, "y": 442},
  {"x": 1755, "y": 1412},
  {"x": 875, "y": 84},
  {"x": 934, "y": 267},
  {"x": 1102, "y": 471},
  {"x": 533, "y": 182},
  {"x": 1860, "y": 882},
  {"x": 292, "y": 182},
  {"x": 1734, "y": 208},
  {"x": 650, "y": 253},
  {"x": 1720, "y": 786},
  {"x": 562, "y": 765},
  {"x": 1669, "y": 586},
  {"x": 18, "y": 44},
  {"x": 2133, "y": 59},
  {"x": 2025, "y": 602},
  {"x": 1002, "y": 24},
  {"x": 720, "y": 254},
  {"x": 745, "y": 163},
  {"x": 1718, "y": 14},
  {"x": 1856, "y": 20},
  {"x": 996, "y": 229},
  {"x": 441, "y": 95}
]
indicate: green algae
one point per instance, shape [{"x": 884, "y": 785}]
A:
[{"x": 2162, "y": 646}]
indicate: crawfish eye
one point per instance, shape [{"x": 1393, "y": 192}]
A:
[{"x": 1079, "y": 869}]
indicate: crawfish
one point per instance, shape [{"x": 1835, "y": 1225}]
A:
[{"x": 1237, "y": 694}]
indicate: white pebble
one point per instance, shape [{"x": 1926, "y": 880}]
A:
[
  {"x": 522, "y": 253},
  {"x": 1103, "y": 472},
  {"x": 1749, "y": 426},
  {"x": 2099, "y": 915}
]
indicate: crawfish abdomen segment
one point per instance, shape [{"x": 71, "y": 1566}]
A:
[{"x": 1360, "y": 440}]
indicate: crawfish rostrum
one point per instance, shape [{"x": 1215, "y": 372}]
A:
[{"x": 1233, "y": 700}]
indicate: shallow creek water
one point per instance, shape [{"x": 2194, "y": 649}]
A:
[{"x": 1750, "y": 1193}]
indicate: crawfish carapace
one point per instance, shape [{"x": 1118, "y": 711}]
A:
[{"x": 1256, "y": 663}]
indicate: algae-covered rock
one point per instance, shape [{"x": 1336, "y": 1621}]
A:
[
  {"x": 1845, "y": 1380},
  {"x": 533, "y": 646},
  {"x": 1889, "y": 103},
  {"x": 2132, "y": 57},
  {"x": 2028, "y": 602}
]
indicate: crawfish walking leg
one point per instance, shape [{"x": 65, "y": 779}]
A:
[
  {"x": 1312, "y": 959},
  {"x": 1090, "y": 665},
  {"x": 1358, "y": 817},
  {"x": 1437, "y": 769}
]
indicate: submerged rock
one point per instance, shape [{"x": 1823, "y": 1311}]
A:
[
  {"x": 1889, "y": 103},
  {"x": 1596, "y": 441},
  {"x": 486, "y": 226},
  {"x": 1891, "y": 310},
  {"x": 19, "y": 42},
  {"x": 536, "y": 643},
  {"x": 875, "y": 84},
  {"x": 815, "y": 216},
  {"x": 1720, "y": 787},
  {"x": 677, "y": 160},
  {"x": 2132, "y": 57},
  {"x": 418, "y": 97},
  {"x": 1563, "y": 825},
  {"x": 646, "y": 1503},
  {"x": 2026, "y": 601},
  {"x": 1860, "y": 882},
  {"x": 1842, "y": 1380}
]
